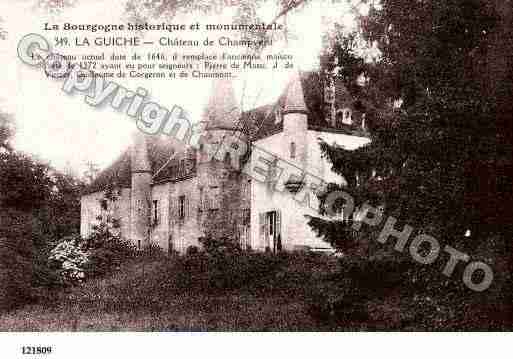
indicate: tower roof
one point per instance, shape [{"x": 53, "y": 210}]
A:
[
  {"x": 223, "y": 111},
  {"x": 140, "y": 160},
  {"x": 295, "y": 98}
]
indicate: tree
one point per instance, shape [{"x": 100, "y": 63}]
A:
[
  {"x": 91, "y": 172},
  {"x": 431, "y": 61},
  {"x": 6, "y": 131},
  {"x": 439, "y": 109},
  {"x": 3, "y": 33},
  {"x": 38, "y": 205}
]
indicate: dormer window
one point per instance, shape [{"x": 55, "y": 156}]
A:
[
  {"x": 277, "y": 116},
  {"x": 344, "y": 116},
  {"x": 347, "y": 116}
]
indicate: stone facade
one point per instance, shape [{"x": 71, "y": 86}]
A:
[{"x": 173, "y": 196}]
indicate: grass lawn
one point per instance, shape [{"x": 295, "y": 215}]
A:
[
  {"x": 247, "y": 293},
  {"x": 144, "y": 296}
]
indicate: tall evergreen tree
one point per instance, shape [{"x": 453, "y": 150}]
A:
[
  {"x": 436, "y": 120},
  {"x": 439, "y": 108}
]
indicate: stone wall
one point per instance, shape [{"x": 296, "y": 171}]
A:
[
  {"x": 159, "y": 227},
  {"x": 183, "y": 231},
  {"x": 118, "y": 209},
  {"x": 267, "y": 196},
  {"x": 89, "y": 210}
]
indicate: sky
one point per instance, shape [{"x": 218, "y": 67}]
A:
[{"x": 68, "y": 133}]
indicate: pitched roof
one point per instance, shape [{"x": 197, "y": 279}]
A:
[
  {"x": 294, "y": 97},
  {"x": 170, "y": 160},
  {"x": 223, "y": 110},
  {"x": 139, "y": 153},
  {"x": 160, "y": 151},
  {"x": 117, "y": 174},
  {"x": 263, "y": 121}
]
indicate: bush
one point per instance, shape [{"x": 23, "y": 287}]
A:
[
  {"x": 192, "y": 251},
  {"x": 108, "y": 256},
  {"x": 76, "y": 259},
  {"x": 69, "y": 259},
  {"x": 23, "y": 264},
  {"x": 151, "y": 251},
  {"x": 345, "y": 294},
  {"x": 16, "y": 272},
  {"x": 224, "y": 271},
  {"x": 220, "y": 245}
]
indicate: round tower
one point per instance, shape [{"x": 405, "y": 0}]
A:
[
  {"x": 295, "y": 122},
  {"x": 222, "y": 148},
  {"x": 223, "y": 138},
  {"x": 141, "y": 191}
]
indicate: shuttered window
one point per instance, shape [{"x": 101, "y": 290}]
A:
[
  {"x": 155, "y": 212},
  {"x": 201, "y": 200},
  {"x": 262, "y": 219},
  {"x": 181, "y": 207},
  {"x": 214, "y": 198},
  {"x": 278, "y": 222}
]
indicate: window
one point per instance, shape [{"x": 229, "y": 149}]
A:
[
  {"x": 272, "y": 222},
  {"x": 181, "y": 207},
  {"x": 270, "y": 230},
  {"x": 227, "y": 158},
  {"x": 347, "y": 117},
  {"x": 277, "y": 116},
  {"x": 215, "y": 198},
  {"x": 246, "y": 216},
  {"x": 339, "y": 118},
  {"x": 201, "y": 204},
  {"x": 344, "y": 117},
  {"x": 292, "y": 150},
  {"x": 170, "y": 245},
  {"x": 246, "y": 190},
  {"x": 155, "y": 212}
]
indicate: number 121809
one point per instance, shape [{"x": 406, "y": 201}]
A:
[{"x": 29, "y": 350}]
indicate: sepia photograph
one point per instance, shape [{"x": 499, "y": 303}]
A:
[{"x": 249, "y": 166}]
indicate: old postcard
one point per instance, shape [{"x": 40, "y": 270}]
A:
[{"x": 184, "y": 166}]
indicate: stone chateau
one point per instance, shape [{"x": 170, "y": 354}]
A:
[{"x": 172, "y": 195}]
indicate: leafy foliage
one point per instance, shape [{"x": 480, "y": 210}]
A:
[
  {"x": 69, "y": 259},
  {"x": 6, "y": 131},
  {"x": 441, "y": 128},
  {"x": 19, "y": 232},
  {"x": 16, "y": 272},
  {"x": 37, "y": 205},
  {"x": 435, "y": 128}
]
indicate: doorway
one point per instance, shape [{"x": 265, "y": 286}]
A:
[
  {"x": 170, "y": 245},
  {"x": 273, "y": 231}
]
